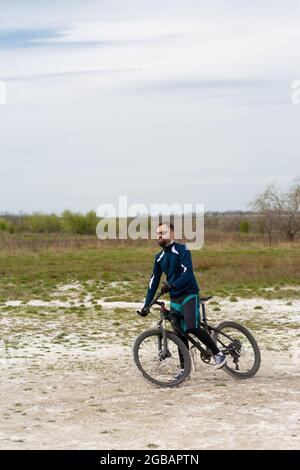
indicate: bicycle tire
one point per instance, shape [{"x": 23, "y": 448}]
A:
[
  {"x": 179, "y": 344},
  {"x": 257, "y": 356}
]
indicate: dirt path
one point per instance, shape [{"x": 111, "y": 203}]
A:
[
  {"x": 68, "y": 382},
  {"x": 99, "y": 401}
]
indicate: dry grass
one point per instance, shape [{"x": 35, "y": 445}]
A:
[{"x": 35, "y": 265}]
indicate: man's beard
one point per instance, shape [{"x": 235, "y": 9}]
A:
[{"x": 163, "y": 242}]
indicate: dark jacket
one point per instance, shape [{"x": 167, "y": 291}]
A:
[{"x": 176, "y": 262}]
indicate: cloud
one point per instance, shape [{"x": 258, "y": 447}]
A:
[
  {"x": 185, "y": 99},
  {"x": 19, "y": 38},
  {"x": 161, "y": 50},
  {"x": 126, "y": 31}
]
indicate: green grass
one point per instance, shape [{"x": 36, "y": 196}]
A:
[
  {"x": 29, "y": 274},
  {"x": 230, "y": 273}
]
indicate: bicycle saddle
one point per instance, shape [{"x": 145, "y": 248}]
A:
[{"x": 204, "y": 299}]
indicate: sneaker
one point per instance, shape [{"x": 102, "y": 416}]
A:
[
  {"x": 179, "y": 374},
  {"x": 220, "y": 360}
]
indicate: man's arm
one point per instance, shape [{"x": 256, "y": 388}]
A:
[
  {"x": 154, "y": 283},
  {"x": 187, "y": 273}
]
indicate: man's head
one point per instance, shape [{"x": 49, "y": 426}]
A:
[{"x": 165, "y": 234}]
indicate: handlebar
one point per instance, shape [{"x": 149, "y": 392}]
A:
[{"x": 155, "y": 301}]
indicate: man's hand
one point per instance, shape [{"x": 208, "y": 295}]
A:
[
  {"x": 166, "y": 288},
  {"x": 144, "y": 312}
]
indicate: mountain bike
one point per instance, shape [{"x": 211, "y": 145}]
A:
[{"x": 157, "y": 351}]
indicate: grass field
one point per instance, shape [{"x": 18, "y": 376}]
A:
[{"x": 237, "y": 270}]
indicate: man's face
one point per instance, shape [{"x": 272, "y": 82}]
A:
[{"x": 164, "y": 235}]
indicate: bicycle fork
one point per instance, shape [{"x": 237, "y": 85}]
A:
[{"x": 163, "y": 350}]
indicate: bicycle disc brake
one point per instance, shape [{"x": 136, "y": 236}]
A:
[
  {"x": 236, "y": 353},
  {"x": 162, "y": 355}
]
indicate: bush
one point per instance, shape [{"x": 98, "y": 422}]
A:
[
  {"x": 244, "y": 226},
  {"x": 79, "y": 224},
  {"x": 6, "y": 226},
  {"x": 41, "y": 223}
]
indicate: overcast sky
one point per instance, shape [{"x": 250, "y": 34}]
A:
[{"x": 161, "y": 100}]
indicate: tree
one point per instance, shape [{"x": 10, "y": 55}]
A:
[
  {"x": 279, "y": 211},
  {"x": 287, "y": 206},
  {"x": 263, "y": 205}
]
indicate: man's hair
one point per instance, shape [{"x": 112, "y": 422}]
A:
[{"x": 168, "y": 224}]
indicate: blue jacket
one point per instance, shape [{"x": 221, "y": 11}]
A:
[{"x": 176, "y": 262}]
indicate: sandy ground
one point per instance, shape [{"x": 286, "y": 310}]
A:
[
  {"x": 84, "y": 392},
  {"x": 113, "y": 408}
]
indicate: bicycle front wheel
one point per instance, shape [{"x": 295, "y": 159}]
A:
[
  {"x": 157, "y": 364},
  {"x": 241, "y": 348}
]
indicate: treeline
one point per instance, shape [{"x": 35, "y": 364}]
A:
[
  {"x": 274, "y": 215},
  {"x": 67, "y": 222},
  {"x": 74, "y": 223},
  {"x": 84, "y": 224}
]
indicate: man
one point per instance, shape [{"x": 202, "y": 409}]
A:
[{"x": 176, "y": 263}]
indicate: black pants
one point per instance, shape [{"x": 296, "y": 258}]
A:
[{"x": 189, "y": 310}]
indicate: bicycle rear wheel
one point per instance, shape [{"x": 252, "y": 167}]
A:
[
  {"x": 243, "y": 359},
  {"x": 158, "y": 366}
]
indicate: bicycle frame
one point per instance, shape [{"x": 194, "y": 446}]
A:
[
  {"x": 205, "y": 353},
  {"x": 224, "y": 335}
]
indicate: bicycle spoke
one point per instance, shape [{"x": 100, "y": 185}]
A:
[
  {"x": 241, "y": 356},
  {"x": 152, "y": 363}
]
